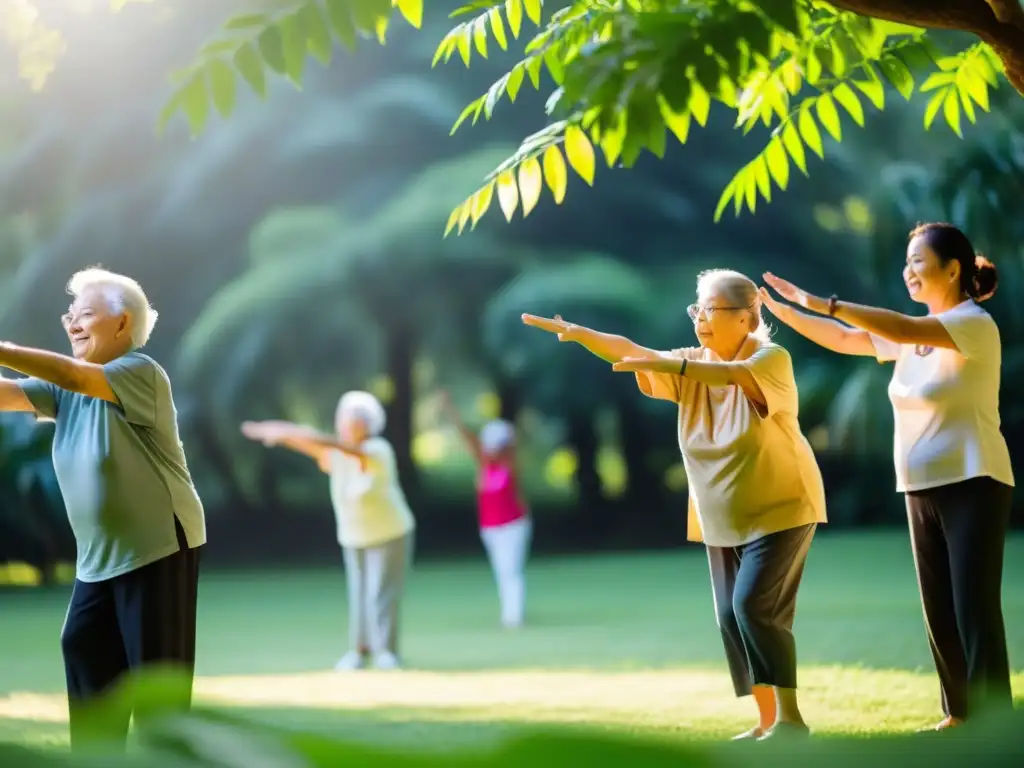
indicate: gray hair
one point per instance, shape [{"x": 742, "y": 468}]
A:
[
  {"x": 496, "y": 436},
  {"x": 364, "y": 407},
  {"x": 740, "y": 291},
  {"x": 122, "y": 294}
]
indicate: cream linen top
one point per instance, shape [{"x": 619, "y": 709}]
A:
[{"x": 750, "y": 473}]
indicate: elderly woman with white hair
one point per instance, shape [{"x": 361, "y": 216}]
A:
[
  {"x": 756, "y": 493},
  {"x": 375, "y": 526},
  {"x": 137, "y": 520},
  {"x": 505, "y": 524}
]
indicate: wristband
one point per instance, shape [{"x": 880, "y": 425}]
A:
[{"x": 682, "y": 367}]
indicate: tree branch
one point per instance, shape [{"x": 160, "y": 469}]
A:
[{"x": 1000, "y": 23}]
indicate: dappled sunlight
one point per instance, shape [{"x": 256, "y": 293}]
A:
[{"x": 693, "y": 703}]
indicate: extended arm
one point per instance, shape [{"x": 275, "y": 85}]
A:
[
  {"x": 298, "y": 438},
  {"x": 607, "y": 346},
  {"x": 13, "y": 397},
  {"x": 709, "y": 372},
  {"x": 827, "y": 333},
  {"x": 471, "y": 440},
  {"x": 66, "y": 372}
]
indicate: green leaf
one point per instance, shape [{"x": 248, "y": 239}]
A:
[
  {"x": 533, "y": 70},
  {"x": 515, "y": 81},
  {"x": 498, "y": 28},
  {"x": 872, "y": 88},
  {"x": 318, "y": 36},
  {"x": 783, "y": 13},
  {"x": 533, "y": 10},
  {"x": 222, "y": 86},
  {"x": 453, "y": 219},
  {"x": 580, "y": 153},
  {"x": 480, "y": 35},
  {"x": 795, "y": 147},
  {"x": 271, "y": 45},
  {"x": 250, "y": 65},
  {"x": 778, "y": 162},
  {"x": 293, "y": 45},
  {"x": 514, "y": 12},
  {"x": 464, "y": 214},
  {"x": 677, "y": 122},
  {"x": 810, "y": 134},
  {"x": 412, "y": 10},
  {"x": 813, "y": 67},
  {"x": 700, "y": 103},
  {"x": 341, "y": 22},
  {"x": 829, "y": 117},
  {"x": 530, "y": 181},
  {"x": 196, "y": 104},
  {"x": 727, "y": 195},
  {"x": 481, "y": 202},
  {"x": 897, "y": 73},
  {"x": 951, "y": 111},
  {"x": 934, "y": 105},
  {"x": 973, "y": 84},
  {"x": 473, "y": 108},
  {"x": 555, "y": 173},
  {"x": 760, "y": 171},
  {"x": 247, "y": 21},
  {"x": 612, "y": 140},
  {"x": 169, "y": 110},
  {"x": 367, "y": 14},
  {"x": 218, "y": 47},
  {"x": 508, "y": 193},
  {"x": 464, "y": 44},
  {"x": 937, "y": 80},
  {"x": 844, "y": 94}
]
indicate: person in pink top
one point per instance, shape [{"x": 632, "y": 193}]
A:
[{"x": 505, "y": 524}]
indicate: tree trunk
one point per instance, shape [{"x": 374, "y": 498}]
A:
[
  {"x": 593, "y": 509},
  {"x": 510, "y": 395},
  {"x": 400, "y": 352},
  {"x": 645, "y": 489},
  {"x": 217, "y": 458}
]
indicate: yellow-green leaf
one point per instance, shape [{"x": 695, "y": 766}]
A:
[
  {"x": 481, "y": 202},
  {"x": 580, "y": 152},
  {"x": 195, "y": 103},
  {"x": 271, "y": 45},
  {"x": 612, "y": 141},
  {"x": 677, "y": 122},
  {"x": 453, "y": 219},
  {"x": 795, "y": 147},
  {"x": 293, "y": 45},
  {"x": 473, "y": 108},
  {"x": 937, "y": 80},
  {"x": 412, "y": 10},
  {"x": 934, "y": 105},
  {"x": 555, "y": 173},
  {"x": 810, "y": 134},
  {"x": 498, "y": 28},
  {"x": 515, "y": 80},
  {"x": 250, "y": 65},
  {"x": 828, "y": 116},
  {"x": 750, "y": 188},
  {"x": 465, "y": 41},
  {"x": 530, "y": 180},
  {"x": 727, "y": 195},
  {"x": 480, "y": 35},
  {"x": 897, "y": 73},
  {"x": 341, "y": 22},
  {"x": 508, "y": 194},
  {"x": 777, "y": 162},
  {"x": 318, "y": 36},
  {"x": 844, "y": 95},
  {"x": 968, "y": 105},
  {"x": 700, "y": 103},
  {"x": 222, "y": 85},
  {"x": 813, "y": 67},
  {"x": 969, "y": 81},
  {"x": 873, "y": 89},
  {"x": 764, "y": 184},
  {"x": 514, "y": 12},
  {"x": 533, "y": 10},
  {"x": 465, "y": 212},
  {"x": 951, "y": 110}
]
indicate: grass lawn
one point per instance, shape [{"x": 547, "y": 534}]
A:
[{"x": 627, "y": 643}]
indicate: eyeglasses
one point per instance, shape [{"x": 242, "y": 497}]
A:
[{"x": 694, "y": 310}]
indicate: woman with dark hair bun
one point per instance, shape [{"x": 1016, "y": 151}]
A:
[{"x": 952, "y": 462}]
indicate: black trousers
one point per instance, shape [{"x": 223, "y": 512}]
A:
[
  {"x": 755, "y": 588},
  {"x": 141, "y": 619},
  {"x": 958, "y": 535}
]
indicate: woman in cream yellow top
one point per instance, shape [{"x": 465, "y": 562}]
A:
[{"x": 755, "y": 488}]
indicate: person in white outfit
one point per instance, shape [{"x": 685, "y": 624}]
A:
[
  {"x": 375, "y": 525},
  {"x": 506, "y": 527}
]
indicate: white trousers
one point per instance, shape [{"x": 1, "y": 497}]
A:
[
  {"x": 507, "y": 548},
  {"x": 376, "y": 581}
]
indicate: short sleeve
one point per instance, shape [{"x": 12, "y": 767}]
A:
[
  {"x": 44, "y": 396},
  {"x": 885, "y": 351},
  {"x": 380, "y": 457},
  {"x": 973, "y": 331},
  {"x": 134, "y": 380},
  {"x": 772, "y": 369},
  {"x": 666, "y": 386}
]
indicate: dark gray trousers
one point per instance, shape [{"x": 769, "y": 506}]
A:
[
  {"x": 958, "y": 535},
  {"x": 755, "y": 588}
]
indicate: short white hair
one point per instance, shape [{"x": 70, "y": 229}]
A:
[
  {"x": 496, "y": 436},
  {"x": 740, "y": 291},
  {"x": 364, "y": 407},
  {"x": 122, "y": 295}
]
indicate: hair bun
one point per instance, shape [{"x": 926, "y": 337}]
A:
[{"x": 986, "y": 278}]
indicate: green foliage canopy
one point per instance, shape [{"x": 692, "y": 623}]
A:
[{"x": 629, "y": 73}]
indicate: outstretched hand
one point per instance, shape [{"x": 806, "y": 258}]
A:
[
  {"x": 772, "y": 304},
  {"x": 790, "y": 293},
  {"x": 256, "y": 430},
  {"x": 648, "y": 364},
  {"x": 556, "y": 325}
]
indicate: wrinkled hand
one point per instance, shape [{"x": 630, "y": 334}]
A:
[
  {"x": 797, "y": 296},
  {"x": 556, "y": 325},
  {"x": 648, "y": 364},
  {"x": 772, "y": 304}
]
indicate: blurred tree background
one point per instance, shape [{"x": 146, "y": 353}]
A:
[{"x": 295, "y": 252}]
